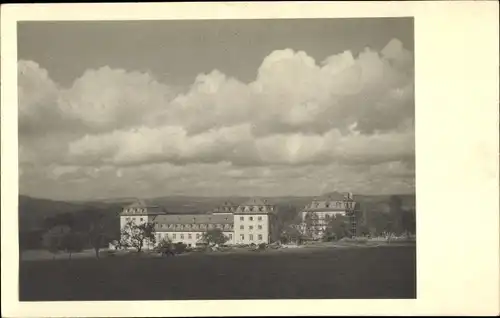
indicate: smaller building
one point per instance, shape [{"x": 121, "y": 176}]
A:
[{"x": 316, "y": 215}]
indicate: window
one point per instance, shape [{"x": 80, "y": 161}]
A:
[
  {"x": 251, "y": 237},
  {"x": 197, "y": 235},
  {"x": 182, "y": 236},
  {"x": 241, "y": 227},
  {"x": 242, "y": 236},
  {"x": 189, "y": 236},
  {"x": 128, "y": 219},
  {"x": 174, "y": 235},
  {"x": 259, "y": 218},
  {"x": 251, "y": 218},
  {"x": 141, "y": 219},
  {"x": 250, "y": 227},
  {"x": 260, "y": 227},
  {"x": 241, "y": 218},
  {"x": 260, "y": 237},
  {"x": 230, "y": 236}
]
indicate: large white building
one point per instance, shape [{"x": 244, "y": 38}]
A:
[{"x": 247, "y": 223}]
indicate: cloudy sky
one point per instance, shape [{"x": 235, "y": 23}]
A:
[{"x": 255, "y": 107}]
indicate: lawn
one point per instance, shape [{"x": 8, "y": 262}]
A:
[{"x": 362, "y": 273}]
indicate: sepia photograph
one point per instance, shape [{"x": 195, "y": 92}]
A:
[
  {"x": 217, "y": 159},
  {"x": 250, "y": 159}
]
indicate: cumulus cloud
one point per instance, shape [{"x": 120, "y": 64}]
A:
[
  {"x": 348, "y": 110},
  {"x": 237, "y": 145}
]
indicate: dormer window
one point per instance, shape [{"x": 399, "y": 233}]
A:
[
  {"x": 327, "y": 204},
  {"x": 261, "y": 208}
]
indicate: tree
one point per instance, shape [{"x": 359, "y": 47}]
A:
[
  {"x": 72, "y": 242},
  {"x": 311, "y": 222},
  {"x": 285, "y": 215},
  {"x": 97, "y": 235},
  {"x": 52, "y": 244},
  {"x": 408, "y": 221},
  {"x": 52, "y": 239},
  {"x": 61, "y": 219},
  {"x": 337, "y": 228},
  {"x": 290, "y": 234},
  {"x": 137, "y": 235},
  {"x": 214, "y": 236},
  {"x": 165, "y": 246},
  {"x": 396, "y": 213}
]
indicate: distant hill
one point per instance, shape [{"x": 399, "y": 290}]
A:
[{"x": 32, "y": 211}]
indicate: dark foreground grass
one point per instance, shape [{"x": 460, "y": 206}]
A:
[{"x": 362, "y": 273}]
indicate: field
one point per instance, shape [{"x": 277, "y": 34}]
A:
[{"x": 363, "y": 273}]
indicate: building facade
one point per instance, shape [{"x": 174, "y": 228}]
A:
[
  {"x": 247, "y": 223},
  {"x": 316, "y": 215},
  {"x": 253, "y": 222}
]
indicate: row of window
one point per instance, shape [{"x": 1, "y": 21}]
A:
[
  {"x": 132, "y": 210},
  {"x": 250, "y": 237},
  {"x": 250, "y": 218},
  {"x": 128, "y": 219},
  {"x": 196, "y": 226},
  {"x": 254, "y": 208},
  {"x": 250, "y": 227},
  {"x": 198, "y": 236},
  {"x": 327, "y": 204},
  {"x": 189, "y": 236}
]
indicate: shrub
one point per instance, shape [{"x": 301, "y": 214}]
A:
[
  {"x": 180, "y": 248},
  {"x": 354, "y": 240}
]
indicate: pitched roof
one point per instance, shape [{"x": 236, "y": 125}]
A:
[
  {"x": 195, "y": 219},
  {"x": 226, "y": 207},
  {"x": 142, "y": 204}
]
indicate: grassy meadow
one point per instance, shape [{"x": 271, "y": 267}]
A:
[{"x": 317, "y": 273}]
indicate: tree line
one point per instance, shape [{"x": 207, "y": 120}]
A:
[{"x": 370, "y": 221}]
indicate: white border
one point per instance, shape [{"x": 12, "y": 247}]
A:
[{"x": 456, "y": 52}]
